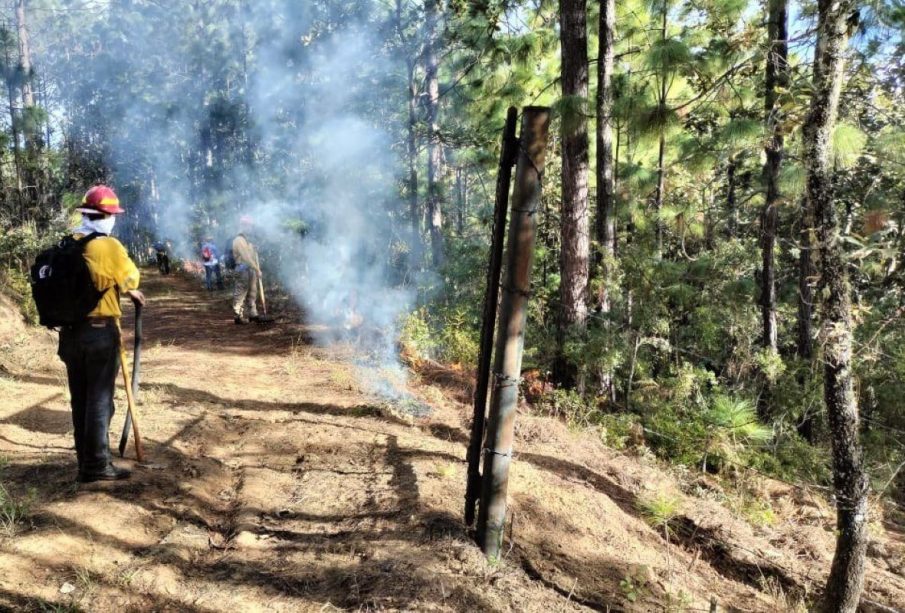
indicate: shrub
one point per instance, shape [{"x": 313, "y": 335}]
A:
[
  {"x": 568, "y": 405},
  {"x": 458, "y": 342},
  {"x": 731, "y": 424},
  {"x": 415, "y": 335},
  {"x": 659, "y": 508},
  {"x": 617, "y": 429}
]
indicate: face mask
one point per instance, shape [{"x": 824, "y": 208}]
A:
[{"x": 104, "y": 226}]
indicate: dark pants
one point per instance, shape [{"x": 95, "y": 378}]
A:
[
  {"x": 91, "y": 354},
  {"x": 163, "y": 262},
  {"x": 209, "y": 273}
]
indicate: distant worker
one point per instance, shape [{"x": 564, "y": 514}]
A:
[
  {"x": 163, "y": 257},
  {"x": 91, "y": 349},
  {"x": 248, "y": 273},
  {"x": 210, "y": 258}
]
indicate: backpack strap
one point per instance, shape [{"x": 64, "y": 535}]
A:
[
  {"x": 82, "y": 242},
  {"x": 90, "y": 237}
]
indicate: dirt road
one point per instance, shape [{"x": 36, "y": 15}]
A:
[{"x": 275, "y": 483}]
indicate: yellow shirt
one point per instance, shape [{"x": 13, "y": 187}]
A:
[{"x": 112, "y": 270}]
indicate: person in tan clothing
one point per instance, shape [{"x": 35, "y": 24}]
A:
[{"x": 248, "y": 273}]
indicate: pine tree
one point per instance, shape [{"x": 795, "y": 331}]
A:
[
  {"x": 574, "y": 229},
  {"x": 776, "y": 80},
  {"x": 843, "y": 588}
]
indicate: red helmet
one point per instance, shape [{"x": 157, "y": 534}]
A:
[{"x": 100, "y": 199}]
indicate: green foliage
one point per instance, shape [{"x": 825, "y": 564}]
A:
[
  {"x": 758, "y": 513},
  {"x": 794, "y": 459},
  {"x": 848, "y": 142},
  {"x": 17, "y": 284},
  {"x": 568, "y": 405},
  {"x": 415, "y": 335},
  {"x": 659, "y": 508},
  {"x": 771, "y": 364},
  {"x": 679, "y": 351},
  {"x": 15, "y": 512},
  {"x": 742, "y": 132},
  {"x": 669, "y": 55},
  {"x": 656, "y": 118},
  {"x": 447, "y": 336},
  {"x": 458, "y": 340},
  {"x": 634, "y": 585},
  {"x": 19, "y": 244},
  {"x": 618, "y": 429},
  {"x": 731, "y": 426}
]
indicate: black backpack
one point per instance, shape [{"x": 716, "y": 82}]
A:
[
  {"x": 228, "y": 259},
  {"x": 61, "y": 283}
]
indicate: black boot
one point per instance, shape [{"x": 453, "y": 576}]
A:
[
  {"x": 239, "y": 321},
  {"x": 110, "y": 473}
]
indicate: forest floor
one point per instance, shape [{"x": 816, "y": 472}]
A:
[{"x": 275, "y": 481}]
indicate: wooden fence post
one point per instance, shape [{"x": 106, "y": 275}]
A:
[
  {"x": 491, "y": 295},
  {"x": 511, "y": 329}
]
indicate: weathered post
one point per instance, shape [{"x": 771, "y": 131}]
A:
[
  {"x": 491, "y": 295},
  {"x": 511, "y": 330}
]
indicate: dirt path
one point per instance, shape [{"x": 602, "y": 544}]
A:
[{"x": 275, "y": 483}]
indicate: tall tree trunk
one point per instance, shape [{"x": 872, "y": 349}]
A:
[
  {"x": 465, "y": 195},
  {"x": 30, "y": 174},
  {"x": 658, "y": 198},
  {"x": 777, "y": 77},
  {"x": 605, "y": 228},
  {"x": 411, "y": 129},
  {"x": 412, "y": 150},
  {"x": 806, "y": 273},
  {"x": 45, "y": 102},
  {"x": 661, "y": 152},
  {"x": 731, "y": 203},
  {"x": 434, "y": 157},
  {"x": 615, "y": 235},
  {"x": 845, "y": 582},
  {"x": 575, "y": 248},
  {"x": 28, "y": 96},
  {"x": 460, "y": 201},
  {"x": 14, "y": 123}
]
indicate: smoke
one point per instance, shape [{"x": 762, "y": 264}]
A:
[{"x": 300, "y": 136}]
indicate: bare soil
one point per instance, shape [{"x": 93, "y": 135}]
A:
[{"x": 275, "y": 482}]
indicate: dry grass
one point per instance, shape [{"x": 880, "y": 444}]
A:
[{"x": 281, "y": 482}]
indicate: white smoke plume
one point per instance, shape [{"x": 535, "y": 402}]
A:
[{"x": 319, "y": 174}]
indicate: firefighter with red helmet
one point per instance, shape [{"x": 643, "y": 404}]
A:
[{"x": 90, "y": 349}]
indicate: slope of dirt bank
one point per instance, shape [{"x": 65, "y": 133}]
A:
[{"x": 274, "y": 482}]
